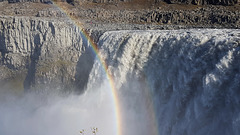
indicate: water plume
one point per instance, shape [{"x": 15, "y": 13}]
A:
[{"x": 41, "y": 114}]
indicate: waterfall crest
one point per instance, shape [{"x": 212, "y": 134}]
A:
[{"x": 192, "y": 78}]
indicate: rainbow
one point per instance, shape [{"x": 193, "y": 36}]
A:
[{"x": 103, "y": 63}]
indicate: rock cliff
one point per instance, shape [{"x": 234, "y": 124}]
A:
[
  {"x": 41, "y": 51},
  {"x": 126, "y": 16},
  {"x": 48, "y": 48},
  {"x": 203, "y": 2},
  {"x": 208, "y": 17},
  {"x": 42, "y": 1},
  {"x": 194, "y": 2}
]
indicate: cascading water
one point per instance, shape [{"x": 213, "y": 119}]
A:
[
  {"x": 192, "y": 78},
  {"x": 173, "y": 82}
]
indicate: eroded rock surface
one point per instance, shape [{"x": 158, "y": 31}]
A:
[{"x": 42, "y": 51}]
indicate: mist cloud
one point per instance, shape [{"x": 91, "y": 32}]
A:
[{"x": 39, "y": 114}]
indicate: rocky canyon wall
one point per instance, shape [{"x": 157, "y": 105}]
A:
[
  {"x": 41, "y": 51},
  {"x": 194, "y": 2}
]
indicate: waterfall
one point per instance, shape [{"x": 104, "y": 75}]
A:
[
  {"x": 168, "y": 82},
  {"x": 192, "y": 78}
]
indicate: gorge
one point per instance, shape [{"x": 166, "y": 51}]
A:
[{"x": 135, "y": 82}]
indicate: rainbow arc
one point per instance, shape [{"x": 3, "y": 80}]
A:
[{"x": 101, "y": 60}]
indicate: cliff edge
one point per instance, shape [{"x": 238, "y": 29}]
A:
[{"x": 46, "y": 43}]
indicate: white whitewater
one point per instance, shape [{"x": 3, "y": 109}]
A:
[
  {"x": 191, "y": 76},
  {"x": 171, "y": 82}
]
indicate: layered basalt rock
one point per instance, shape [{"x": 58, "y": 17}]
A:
[{"x": 42, "y": 52}]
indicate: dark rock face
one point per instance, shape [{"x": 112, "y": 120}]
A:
[
  {"x": 108, "y": 1},
  {"x": 195, "y": 2},
  {"x": 42, "y": 1},
  {"x": 68, "y": 1},
  {"x": 201, "y": 2},
  {"x": 208, "y": 17},
  {"x": 204, "y": 2}
]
